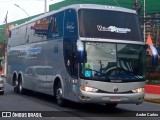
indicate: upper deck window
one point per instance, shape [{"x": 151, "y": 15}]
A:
[{"x": 108, "y": 24}]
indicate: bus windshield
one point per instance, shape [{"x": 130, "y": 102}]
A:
[
  {"x": 108, "y": 24},
  {"x": 113, "y": 62}
]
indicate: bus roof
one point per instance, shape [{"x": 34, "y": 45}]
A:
[{"x": 80, "y": 6}]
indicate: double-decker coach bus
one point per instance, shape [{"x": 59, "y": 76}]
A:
[{"x": 83, "y": 53}]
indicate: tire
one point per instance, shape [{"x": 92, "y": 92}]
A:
[
  {"x": 20, "y": 87},
  {"x": 59, "y": 95},
  {"x": 16, "y": 87}
]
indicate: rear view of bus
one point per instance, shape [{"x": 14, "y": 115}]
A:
[{"x": 111, "y": 56}]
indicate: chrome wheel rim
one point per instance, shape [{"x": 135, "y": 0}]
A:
[{"x": 59, "y": 95}]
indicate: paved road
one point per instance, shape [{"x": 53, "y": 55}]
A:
[{"x": 11, "y": 101}]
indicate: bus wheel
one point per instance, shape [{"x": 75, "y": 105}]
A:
[
  {"x": 59, "y": 97},
  {"x": 16, "y": 86},
  {"x": 111, "y": 105},
  {"x": 20, "y": 88}
]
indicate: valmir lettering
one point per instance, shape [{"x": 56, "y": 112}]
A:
[{"x": 113, "y": 29}]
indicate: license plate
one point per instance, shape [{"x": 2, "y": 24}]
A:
[{"x": 115, "y": 99}]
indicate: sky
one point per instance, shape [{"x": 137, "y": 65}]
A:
[{"x": 31, "y": 7}]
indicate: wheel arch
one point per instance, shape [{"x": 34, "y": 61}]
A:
[
  {"x": 58, "y": 79},
  {"x": 20, "y": 76}
]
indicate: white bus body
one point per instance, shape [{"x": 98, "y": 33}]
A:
[{"x": 83, "y": 53}]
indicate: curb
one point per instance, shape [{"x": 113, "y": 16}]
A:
[
  {"x": 154, "y": 89},
  {"x": 152, "y": 100}
]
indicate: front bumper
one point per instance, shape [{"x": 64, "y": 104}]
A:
[{"x": 132, "y": 98}]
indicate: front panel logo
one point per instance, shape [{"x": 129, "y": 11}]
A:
[{"x": 115, "y": 89}]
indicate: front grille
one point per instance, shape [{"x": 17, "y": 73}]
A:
[{"x": 126, "y": 92}]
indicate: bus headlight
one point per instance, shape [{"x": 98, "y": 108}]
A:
[
  {"x": 139, "y": 90},
  {"x": 88, "y": 89}
]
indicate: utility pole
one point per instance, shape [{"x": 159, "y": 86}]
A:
[
  {"x": 45, "y": 6},
  {"x": 6, "y": 41},
  {"x": 144, "y": 17},
  {"x": 137, "y": 6}
]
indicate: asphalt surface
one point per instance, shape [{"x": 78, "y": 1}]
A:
[{"x": 34, "y": 102}]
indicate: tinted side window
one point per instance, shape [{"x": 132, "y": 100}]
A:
[
  {"x": 18, "y": 36},
  {"x": 46, "y": 28},
  {"x": 55, "y": 25},
  {"x": 37, "y": 31}
]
